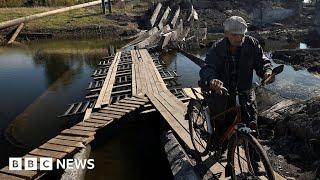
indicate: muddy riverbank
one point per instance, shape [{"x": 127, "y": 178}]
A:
[
  {"x": 294, "y": 149},
  {"x": 302, "y": 58}
]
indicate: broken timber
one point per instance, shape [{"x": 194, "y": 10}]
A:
[{"x": 14, "y": 36}]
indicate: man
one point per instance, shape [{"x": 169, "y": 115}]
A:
[{"x": 230, "y": 63}]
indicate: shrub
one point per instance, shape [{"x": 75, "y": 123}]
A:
[{"x": 12, "y": 3}]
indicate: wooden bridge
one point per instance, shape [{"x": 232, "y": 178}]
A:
[
  {"x": 117, "y": 97},
  {"x": 131, "y": 82}
]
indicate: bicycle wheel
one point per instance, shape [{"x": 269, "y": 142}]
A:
[
  {"x": 198, "y": 127},
  {"x": 247, "y": 159}
]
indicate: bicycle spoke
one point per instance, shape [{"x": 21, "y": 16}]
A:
[
  {"x": 246, "y": 160},
  {"x": 200, "y": 142},
  {"x": 246, "y": 147}
]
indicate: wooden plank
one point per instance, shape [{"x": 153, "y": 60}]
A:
[
  {"x": 139, "y": 79},
  {"x": 122, "y": 107},
  {"x": 72, "y": 138},
  {"x": 131, "y": 101},
  {"x": 107, "y": 119},
  {"x": 160, "y": 81},
  {"x": 112, "y": 116},
  {"x": 84, "y": 128},
  {"x": 126, "y": 91},
  {"x": 48, "y": 153},
  {"x": 133, "y": 81},
  {"x": 156, "y": 81},
  {"x": 56, "y": 147},
  {"x": 171, "y": 109},
  {"x": 97, "y": 121},
  {"x": 136, "y": 70},
  {"x": 66, "y": 142},
  {"x": 150, "y": 81},
  {"x": 107, "y": 95},
  {"x": 178, "y": 128},
  {"x": 87, "y": 114},
  {"x": 150, "y": 71},
  {"x": 155, "y": 14},
  {"x": 116, "y": 109},
  {"x": 144, "y": 72},
  {"x": 19, "y": 173},
  {"x": 175, "y": 18},
  {"x": 143, "y": 78},
  {"x": 127, "y": 105},
  {"x": 112, "y": 112},
  {"x": 10, "y": 177},
  {"x": 87, "y": 124},
  {"x": 123, "y": 74},
  {"x": 138, "y": 99},
  {"x": 101, "y": 116},
  {"x": 122, "y": 85},
  {"x": 164, "y": 17},
  {"x": 77, "y": 132},
  {"x": 107, "y": 81},
  {"x": 174, "y": 102}
]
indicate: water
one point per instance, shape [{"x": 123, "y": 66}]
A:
[
  {"x": 289, "y": 84},
  {"x": 37, "y": 85},
  {"x": 39, "y": 82}
]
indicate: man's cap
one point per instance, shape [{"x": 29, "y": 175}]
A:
[{"x": 235, "y": 24}]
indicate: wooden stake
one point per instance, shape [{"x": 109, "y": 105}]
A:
[{"x": 14, "y": 36}]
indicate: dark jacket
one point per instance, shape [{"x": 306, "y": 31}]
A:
[{"x": 251, "y": 58}]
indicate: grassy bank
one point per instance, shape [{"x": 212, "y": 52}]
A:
[
  {"x": 122, "y": 18},
  {"x": 19, "y": 3},
  {"x": 75, "y": 18}
]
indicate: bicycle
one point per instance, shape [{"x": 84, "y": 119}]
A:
[{"x": 243, "y": 149}]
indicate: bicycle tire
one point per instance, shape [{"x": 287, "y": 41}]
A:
[
  {"x": 247, "y": 138},
  {"x": 194, "y": 137}
]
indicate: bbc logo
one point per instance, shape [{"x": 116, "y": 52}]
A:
[{"x": 45, "y": 164}]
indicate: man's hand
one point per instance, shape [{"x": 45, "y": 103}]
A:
[
  {"x": 216, "y": 85},
  {"x": 268, "y": 78}
]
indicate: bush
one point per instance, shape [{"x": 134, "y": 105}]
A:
[{"x": 12, "y": 3}]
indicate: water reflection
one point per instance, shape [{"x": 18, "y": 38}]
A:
[
  {"x": 289, "y": 84},
  {"x": 37, "y": 85}
]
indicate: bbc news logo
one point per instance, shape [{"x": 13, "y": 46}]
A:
[{"x": 47, "y": 164}]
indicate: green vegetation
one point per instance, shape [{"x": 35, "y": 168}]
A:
[{"x": 76, "y": 18}]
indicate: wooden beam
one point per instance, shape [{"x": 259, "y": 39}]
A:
[
  {"x": 155, "y": 14},
  {"x": 163, "y": 20},
  {"x": 105, "y": 93},
  {"x": 14, "y": 36},
  {"x": 175, "y": 18}
]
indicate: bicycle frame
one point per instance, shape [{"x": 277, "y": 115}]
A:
[{"x": 231, "y": 128}]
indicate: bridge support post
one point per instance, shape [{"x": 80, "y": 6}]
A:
[{"x": 180, "y": 164}]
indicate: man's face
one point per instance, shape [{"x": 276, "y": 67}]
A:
[{"x": 235, "y": 39}]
